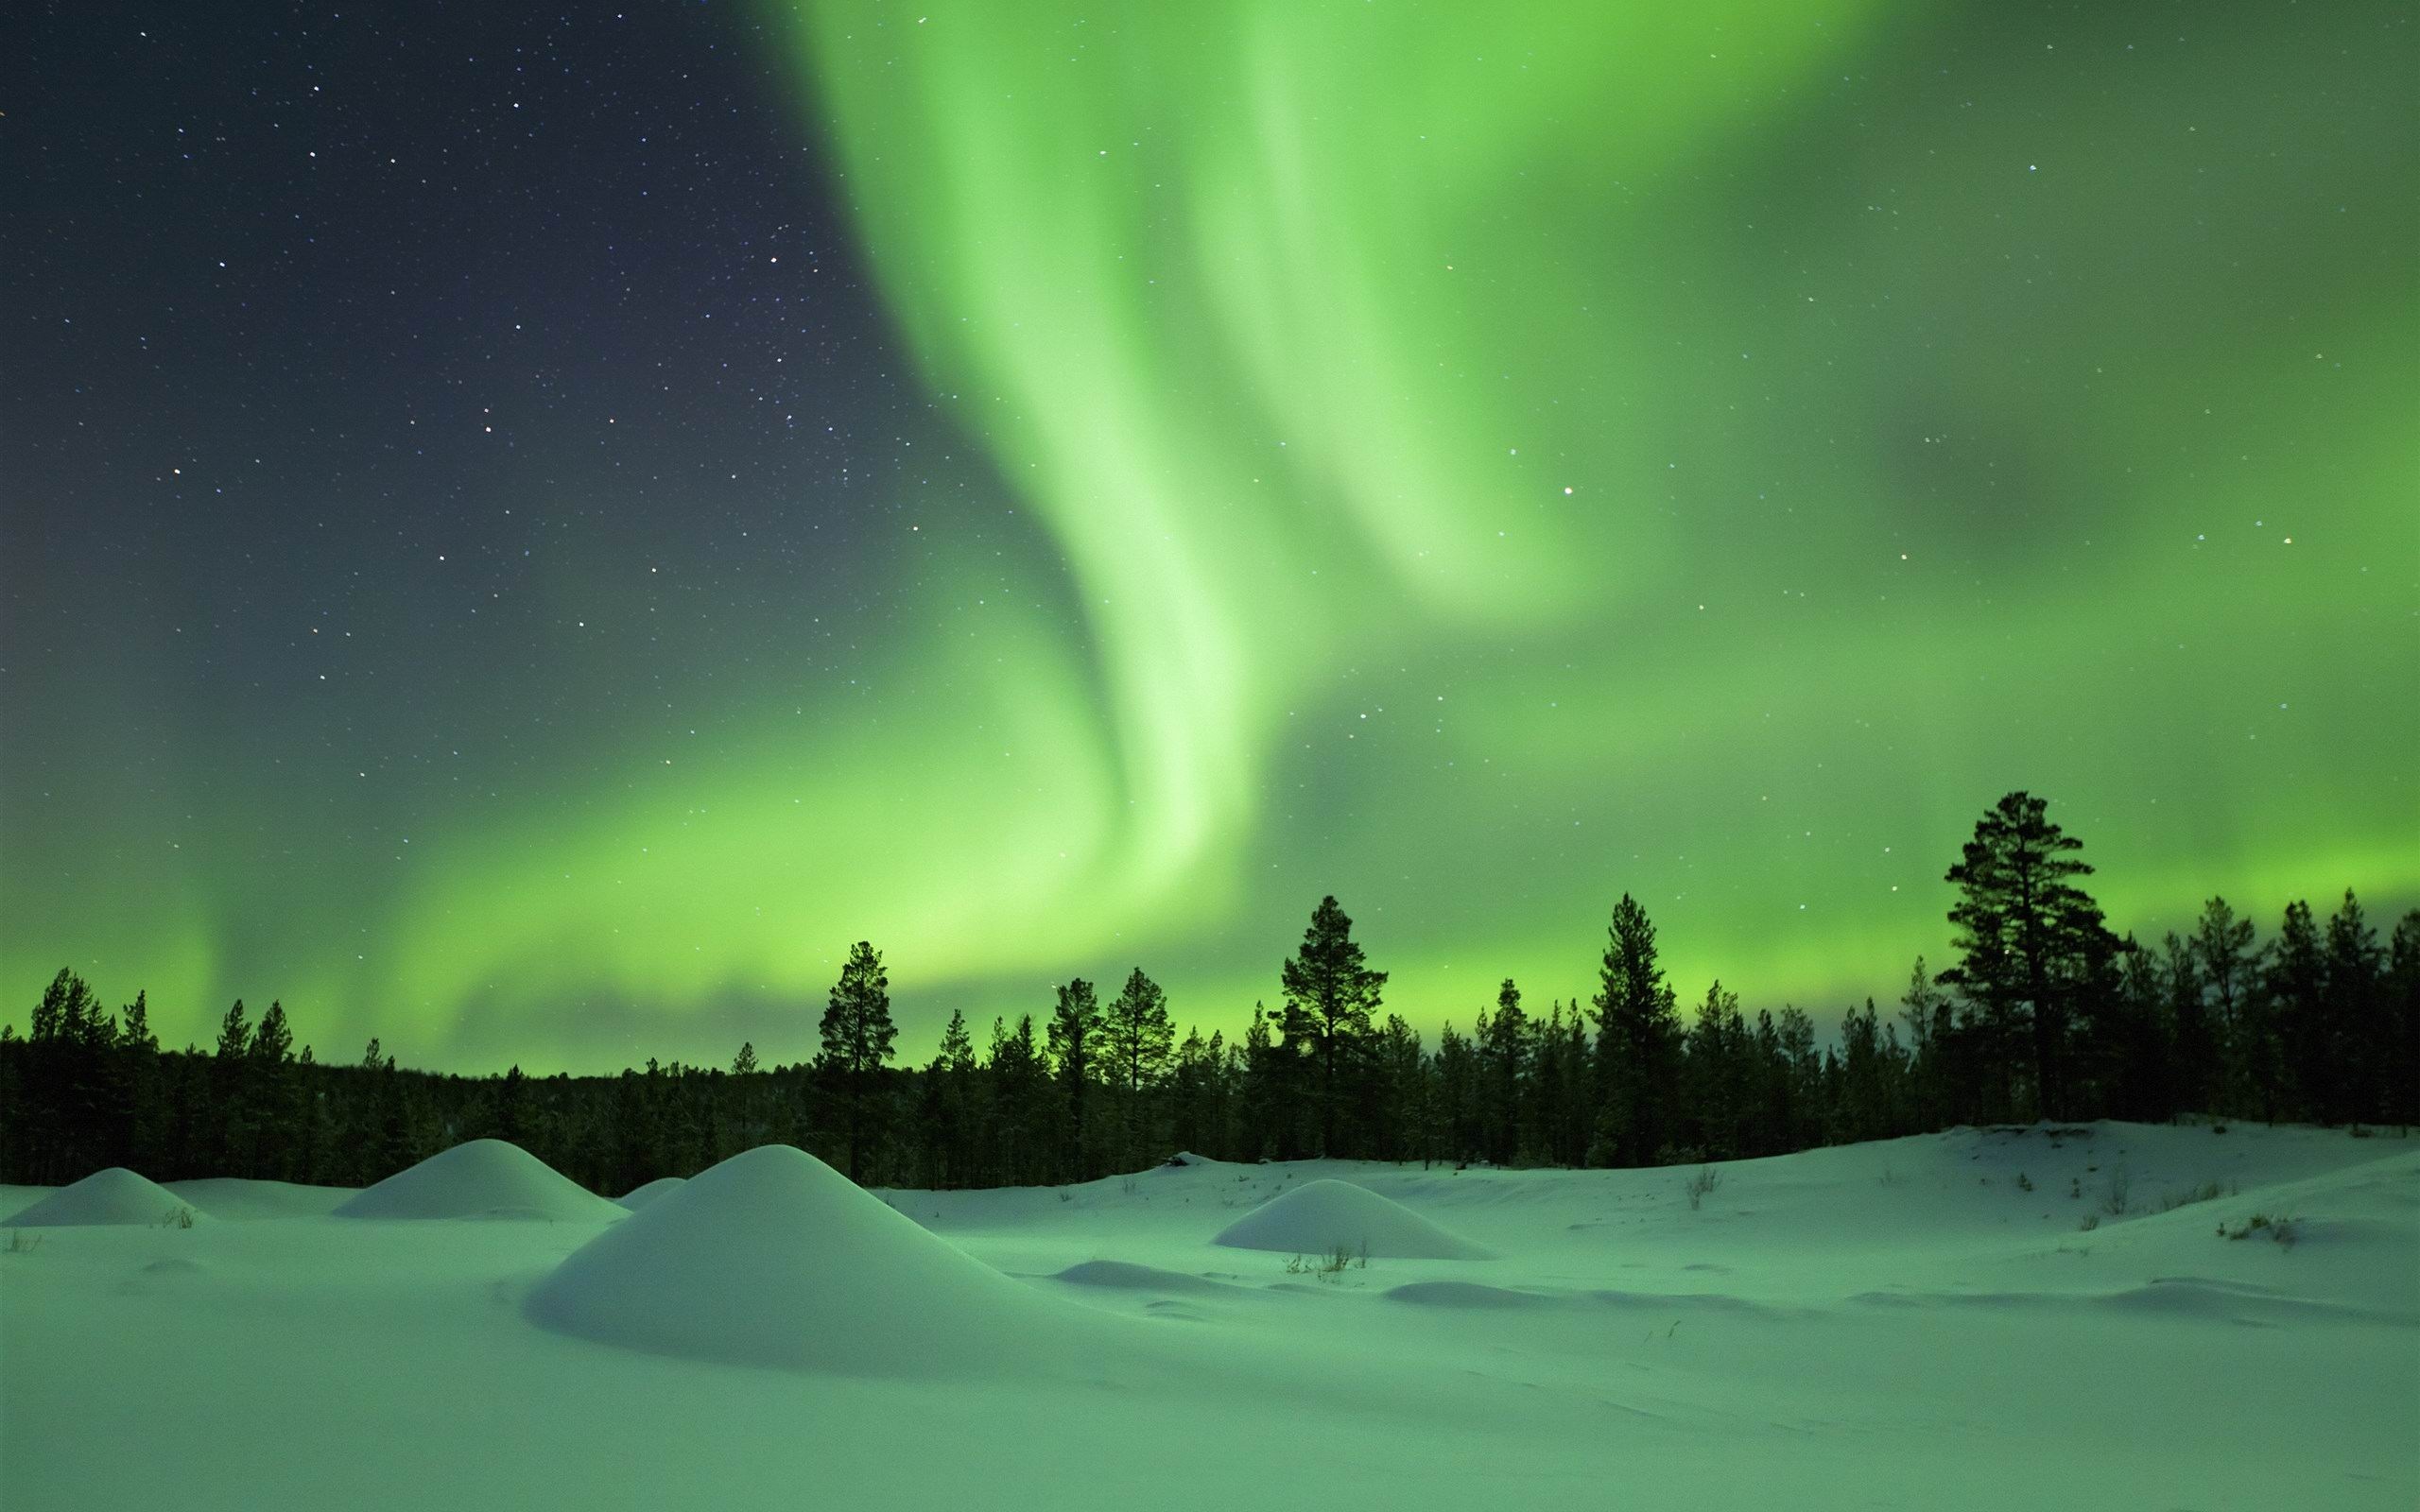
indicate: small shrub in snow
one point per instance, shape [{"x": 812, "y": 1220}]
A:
[
  {"x": 2113, "y": 1200},
  {"x": 1705, "y": 1181},
  {"x": 1329, "y": 1266},
  {"x": 23, "y": 1241},
  {"x": 2091, "y": 1221},
  {"x": 2284, "y": 1231},
  {"x": 179, "y": 1216},
  {"x": 2203, "y": 1193},
  {"x": 2024, "y": 1183}
]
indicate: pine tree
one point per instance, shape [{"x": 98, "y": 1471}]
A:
[
  {"x": 270, "y": 1121},
  {"x": 2296, "y": 1005},
  {"x": 1504, "y": 1050},
  {"x": 2135, "y": 1061},
  {"x": 2032, "y": 942},
  {"x": 1024, "y": 1103},
  {"x": 2197, "y": 1073},
  {"x": 141, "y": 1102},
  {"x": 1638, "y": 1032},
  {"x": 858, "y": 1033},
  {"x": 2230, "y": 972},
  {"x": 949, "y": 1107},
  {"x": 2402, "y": 1012},
  {"x": 2355, "y": 983},
  {"x": 1265, "y": 1089},
  {"x": 744, "y": 1063},
  {"x": 1075, "y": 1030},
  {"x": 1137, "y": 1038},
  {"x": 1715, "y": 1075},
  {"x": 1404, "y": 1132},
  {"x": 1542, "y": 1111},
  {"x": 1457, "y": 1117},
  {"x": 231, "y": 1106},
  {"x": 1330, "y": 994}
]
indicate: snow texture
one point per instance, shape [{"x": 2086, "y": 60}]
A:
[{"x": 1991, "y": 1320}]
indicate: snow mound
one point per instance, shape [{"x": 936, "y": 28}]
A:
[
  {"x": 235, "y": 1198},
  {"x": 484, "y": 1179},
  {"x": 1321, "y": 1217},
  {"x": 114, "y": 1196},
  {"x": 1123, "y": 1275},
  {"x": 773, "y": 1258},
  {"x": 1463, "y": 1294},
  {"x": 639, "y": 1196}
]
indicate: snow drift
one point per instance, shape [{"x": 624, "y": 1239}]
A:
[
  {"x": 114, "y": 1196},
  {"x": 1321, "y": 1217},
  {"x": 773, "y": 1258},
  {"x": 484, "y": 1179},
  {"x": 639, "y": 1196}
]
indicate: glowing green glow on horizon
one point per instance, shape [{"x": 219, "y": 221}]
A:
[{"x": 1500, "y": 460}]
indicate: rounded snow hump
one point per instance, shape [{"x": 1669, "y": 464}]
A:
[
  {"x": 484, "y": 1178},
  {"x": 639, "y": 1196},
  {"x": 773, "y": 1258},
  {"x": 114, "y": 1197},
  {"x": 1325, "y": 1216}
]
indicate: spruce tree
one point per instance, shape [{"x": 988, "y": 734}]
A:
[
  {"x": 1504, "y": 1049},
  {"x": 857, "y": 1033},
  {"x": 1638, "y": 1032},
  {"x": 949, "y": 1103}
]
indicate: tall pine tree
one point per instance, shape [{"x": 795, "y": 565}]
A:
[
  {"x": 856, "y": 1032},
  {"x": 1330, "y": 994},
  {"x": 2032, "y": 942},
  {"x": 1638, "y": 1035}
]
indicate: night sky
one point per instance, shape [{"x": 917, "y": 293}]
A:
[{"x": 526, "y": 535}]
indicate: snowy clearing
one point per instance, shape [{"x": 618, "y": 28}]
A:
[{"x": 1982, "y": 1318}]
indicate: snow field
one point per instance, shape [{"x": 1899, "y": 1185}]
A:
[{"x": 1900, "y": 1323}]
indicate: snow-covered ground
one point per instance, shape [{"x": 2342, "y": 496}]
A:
[{"x": 1903, "y": 1324}]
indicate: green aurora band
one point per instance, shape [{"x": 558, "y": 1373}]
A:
[{"x": 1487, "y": 458}]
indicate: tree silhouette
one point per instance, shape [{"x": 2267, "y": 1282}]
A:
[
  {"x": 1075, "y": 1025},
  {"x": 1137, "y": 1038},
  {"x": 2031, "y": 943},
  {"x": 1638, "y": 1030},
  {"x": 856, "y": 1032},
  {"x": 1330, "y": 992}
]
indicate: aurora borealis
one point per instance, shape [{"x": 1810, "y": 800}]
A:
[{"x": 525, "y": 537}]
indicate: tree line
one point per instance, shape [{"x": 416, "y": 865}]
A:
[{"x": 2044, "y": 1014}]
